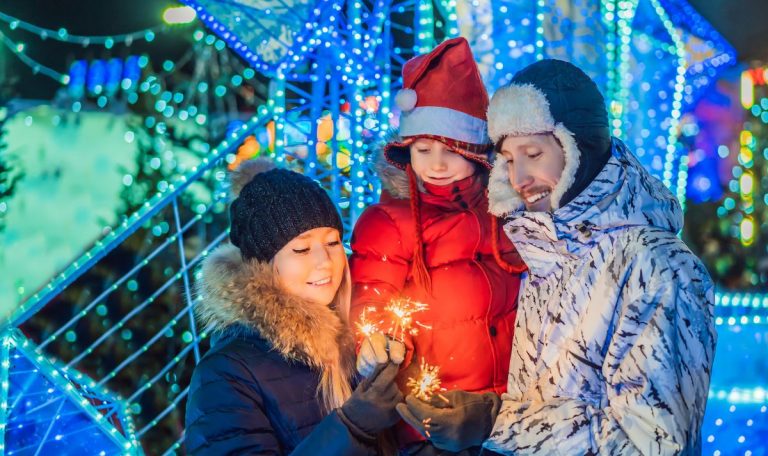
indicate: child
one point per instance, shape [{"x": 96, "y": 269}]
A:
[{"x": 432, "y": 240}]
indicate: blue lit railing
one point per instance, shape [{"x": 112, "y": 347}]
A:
[{"x": 185, "y": 227}]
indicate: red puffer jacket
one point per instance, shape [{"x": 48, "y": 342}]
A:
[{"x": 473, "y": 303}]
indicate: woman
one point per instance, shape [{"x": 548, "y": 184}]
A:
[{"x": 277, "y": 377}]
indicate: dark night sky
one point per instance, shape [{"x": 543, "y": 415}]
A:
[{"x": 742, "y": 22}]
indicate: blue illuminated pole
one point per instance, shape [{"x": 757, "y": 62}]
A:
[
  {"x": 5, "y": 365},
  {"x": 424, "y": 19},
  {"x": 185, "y": 274},
  {"x": 335, "y": 98},
  {"x": 315, "y": 114},
  {"x": 277, "y": 100}
]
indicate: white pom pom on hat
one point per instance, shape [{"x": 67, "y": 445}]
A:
[{"x": 406, "y": 99}]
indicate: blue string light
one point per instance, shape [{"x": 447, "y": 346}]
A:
[
  {"x": 63, "y": 35},
  {"x": 18, "y": 50}
]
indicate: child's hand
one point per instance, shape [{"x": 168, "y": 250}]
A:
[{"x": 378, "y": 349}]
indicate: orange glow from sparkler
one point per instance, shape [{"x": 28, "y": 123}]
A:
[
  {"x": 402, "y": 310},
  {"x": 427, "y": 384},
  {"x": 364, "y": 325}
]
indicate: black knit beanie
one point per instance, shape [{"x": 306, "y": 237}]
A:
[
  {"x": 273, "y": 206},
  {"x": 576, "y": 102}
]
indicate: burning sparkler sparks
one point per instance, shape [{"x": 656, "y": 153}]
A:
[
  {"x": 402, "y": 310},
  {"x": 427, "y": 384},
  {"x": 365, "y": 325}
]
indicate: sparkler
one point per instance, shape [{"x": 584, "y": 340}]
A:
[
  {"x": 402, "y": 310},
  {"x": 427, "y": 384},
  {"x": 364, "y": 325}
]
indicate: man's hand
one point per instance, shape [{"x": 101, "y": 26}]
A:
[
  {"x": 464, "y": 421},
  {"x": 378, "y": 349}
]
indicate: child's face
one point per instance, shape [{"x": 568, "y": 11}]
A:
[
  {"x": 535, "y": 163},
  {"x": 435, "y": 163}
]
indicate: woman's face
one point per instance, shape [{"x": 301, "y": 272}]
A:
[{"x": 311, "y": 266}]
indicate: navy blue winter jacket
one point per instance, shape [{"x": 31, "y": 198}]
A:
[{"x": 256, "y": 390}]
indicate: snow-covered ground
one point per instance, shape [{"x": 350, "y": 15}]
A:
[{"x": 69, "y": 194}]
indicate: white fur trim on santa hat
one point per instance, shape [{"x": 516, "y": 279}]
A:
[
  {"x": 434, "y": 120},
  {"x": 521, "y": 110},
  {"x": 405, "y": 99}
]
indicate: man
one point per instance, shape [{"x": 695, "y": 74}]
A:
[{"x": 614, "y": 337}]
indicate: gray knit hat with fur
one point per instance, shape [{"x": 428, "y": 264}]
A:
[{"x": 272, "y": 206}]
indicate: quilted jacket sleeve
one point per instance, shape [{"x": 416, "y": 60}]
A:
[
  {"x": 656, "y": 369},
  {"x": 379, "y": 265},
  {"x": 225, "y": 413},
  {"x": 332, "y": 436}
]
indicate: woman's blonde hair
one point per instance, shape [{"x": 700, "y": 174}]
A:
[
  {"x": 335, "y": 380},
  {"x": 335, "y": 383}
]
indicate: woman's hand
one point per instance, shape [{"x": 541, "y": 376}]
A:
[
  {"x": 378, "y": 349},
  {"x": 371, "y": 408}
]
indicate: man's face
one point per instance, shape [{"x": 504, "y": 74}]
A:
[{"x": 535, "y": 163}]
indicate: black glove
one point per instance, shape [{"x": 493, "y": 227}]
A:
[
  {"x": 464, "y": 421},
  {"x": 371, "y": 408}
]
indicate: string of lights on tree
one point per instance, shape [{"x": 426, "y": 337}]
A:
[{"x": 741, "y": 214}]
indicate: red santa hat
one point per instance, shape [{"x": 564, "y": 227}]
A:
[{"x": 443, "y": 98}]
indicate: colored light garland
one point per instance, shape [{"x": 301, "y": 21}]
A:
[
  {"x": 18, "y": 50},
  {"x": 108, "y": 41},
  {"x": 672, "y": 132}
]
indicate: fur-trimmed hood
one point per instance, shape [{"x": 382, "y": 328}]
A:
[
  {"x": 393, "y": 179},
  {"x": 551, "y": 97},
  {"x": 233, "y": 292}
]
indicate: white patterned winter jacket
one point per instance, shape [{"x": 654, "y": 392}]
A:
[{"x": 614, "y": 338}]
